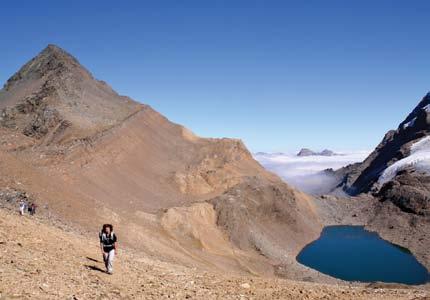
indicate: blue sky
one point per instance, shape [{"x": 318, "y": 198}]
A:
[{"x": 278, "y": 74}]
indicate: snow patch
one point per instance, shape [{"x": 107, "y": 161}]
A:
[
  {"x": 410, "y": 123},
  {"x": 419, "y": 159}
]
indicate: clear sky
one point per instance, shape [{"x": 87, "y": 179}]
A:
[{"x": 278, "y": 74}]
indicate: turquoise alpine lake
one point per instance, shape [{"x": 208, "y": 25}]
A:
[{"x": 354, "y": 254}]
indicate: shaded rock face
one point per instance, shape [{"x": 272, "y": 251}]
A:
[
  {"x": 32, "y": 115},
  {"x": 410, "y": 191},
  {"x": 407, "y": 189}
]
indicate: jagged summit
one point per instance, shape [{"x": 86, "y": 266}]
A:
[
  {"x": 53, "y": 49},
  {"x": 418, "y": 116},
  {"x": 57, "y": 53},
  {"x": 54, "y": 96},
  {"x": 51, "y": 59}
]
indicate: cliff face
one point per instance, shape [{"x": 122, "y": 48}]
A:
[
  {"x": 89, "y": 156},
  {"x": 397, "y": 169}
]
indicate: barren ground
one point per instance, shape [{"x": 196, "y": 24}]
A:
[{"x": 41, "y": 261}]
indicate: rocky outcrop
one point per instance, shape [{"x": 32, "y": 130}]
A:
[
  {"x": 215, "y": 171},
  {"x": 267, "y": 216},
  {"x": 409, "y": 190}
]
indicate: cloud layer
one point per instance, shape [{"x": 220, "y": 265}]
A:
[{"x": 305, "y": 172}]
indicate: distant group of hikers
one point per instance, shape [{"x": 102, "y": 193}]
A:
[{"x": 29, "y": 207}]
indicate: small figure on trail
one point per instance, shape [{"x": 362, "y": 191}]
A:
[
  {"x": 30, "y": 207},
  {"x": 33, "y": 208},
  {"x": 108, "y": 245},
  {"x": 22, "y": 206}
]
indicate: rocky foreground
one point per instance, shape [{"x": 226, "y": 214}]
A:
[{"x": 39, "y": 260}]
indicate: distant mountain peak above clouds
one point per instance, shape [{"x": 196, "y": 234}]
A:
[
  {"x": 309, "y": 152},
  {"x": 305, "y": 152},
  {"x": 309, "y": 173}
]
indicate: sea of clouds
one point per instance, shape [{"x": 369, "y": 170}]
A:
[{"x": 305, "y": 172}]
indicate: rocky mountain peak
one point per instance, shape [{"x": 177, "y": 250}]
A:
[
  {"x": 52, "y": 59},
  {"x": 327, "y": 152},
  {"x": 309, "y": 152},
  {"x": 54, "y": 96},
  {"x": 305, "y": 152}
]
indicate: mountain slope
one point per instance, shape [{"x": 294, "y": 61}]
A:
[{"x": 89, "y": 156}]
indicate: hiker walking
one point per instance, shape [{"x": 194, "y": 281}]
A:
[
  {"x": 33, "y": 208},
  {"x": 22, "y": 205},
  {"x": 108, "y": 245}
]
